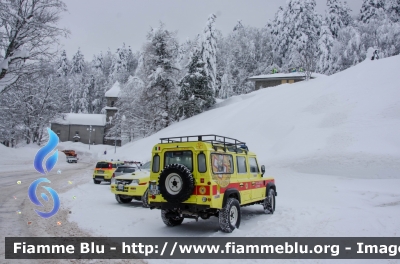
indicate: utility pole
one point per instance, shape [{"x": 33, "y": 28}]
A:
[{"x": 90, "y": 133}]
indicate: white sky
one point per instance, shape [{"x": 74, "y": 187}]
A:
[{"x": 97, "y": 25}]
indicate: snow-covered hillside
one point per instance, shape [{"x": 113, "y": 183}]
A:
[{"x": 346, "y": 124}]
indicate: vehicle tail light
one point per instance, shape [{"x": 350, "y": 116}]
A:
[
  {"x": 109, "y": 165},
  {"x": 113, "y": 175}
]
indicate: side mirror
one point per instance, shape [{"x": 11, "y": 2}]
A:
[{"x": 262, "y": 169}]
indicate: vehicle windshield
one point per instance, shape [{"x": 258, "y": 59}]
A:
[
  {"x": 179, "y": 157},
  {"x": 125, "y": 169}
]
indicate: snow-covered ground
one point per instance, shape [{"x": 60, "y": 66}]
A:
[{"x": 332, "y": 145}]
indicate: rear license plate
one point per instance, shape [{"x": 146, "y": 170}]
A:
[
  {"x": 120, "y": 187},
  {"x": 100, "y": 171}
]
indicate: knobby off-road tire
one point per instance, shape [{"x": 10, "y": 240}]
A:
[
  {"x": 176, "y": 183},
  {"x": 269, "y": 202},
  {"x": 145, "y": 199},
  {"x": 229, "y": 216},
  {"x": 122, "y": 200},
  {"x": 170, "y": 221}
]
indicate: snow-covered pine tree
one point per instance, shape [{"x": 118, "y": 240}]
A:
[
  {"x": 372, "y": 10},
  {"x": 79, "y": 92},
  {"x": 325, "y": 46},
  {"x": 100, "y": 84},
  {"x": 209, "y": 51},
  {"x": 134, "y": 108},
  {"x": 279, "y": 30},
  {"x": 337, "y": 16},
  {"x": 226, "y": 90},
  {"x": 347, "y": 19},
  {"x": 75, "y": 92},
  {"x": 196, "y": 94},
  {"x": 119, "y": 66},
  {"x": 91, "y": 93},
  {"x": 393, "y": 10},
  {"x": 349, "y": 49},
  {"x": 123, "y": 64},
  {"x": 78, "y": 62},
  {"x": 131, "y": 61},
  {"x": 246, "y": 52},
  {"x": 83, "y": 101},
  {"x": 63, "y": 65},
  {"x": 158, "y": 68},
  {"x": 303, "y": 35},
  {"x": 295, "y": 31},
  {"x": 185, "y": 53}
]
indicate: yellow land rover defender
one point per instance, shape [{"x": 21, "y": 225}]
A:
[{"x": 207, "y": 175}]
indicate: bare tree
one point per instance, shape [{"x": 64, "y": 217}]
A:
[{"x": 28, "y": 30}]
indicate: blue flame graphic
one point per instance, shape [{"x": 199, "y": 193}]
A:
[
  {"x": 41, "y": 154},
  {"x": 35, "y": 200}
]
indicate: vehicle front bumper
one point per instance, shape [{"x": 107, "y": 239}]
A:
[{"x": 130, "y": 190}]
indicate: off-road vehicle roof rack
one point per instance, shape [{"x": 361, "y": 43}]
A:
[{"x": 215, "y": 140}]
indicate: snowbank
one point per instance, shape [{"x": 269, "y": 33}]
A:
[{"x": 346, "y": 124}]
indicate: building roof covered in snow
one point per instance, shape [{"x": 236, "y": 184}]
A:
[
  {"x": 270, "y": 80},
  {"x": 114, "y": 91},
  {"x": 81, "y": 119},
  {"x": 283, "y": 76}
]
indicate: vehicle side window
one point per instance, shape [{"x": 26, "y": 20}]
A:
[
  {"x": 241, "y": 164},
  {"x": 201, "y": 162},
  {"x": 156, "y": 163},
  {"x": 253, "y": 165},
  {"x": 221, "y": 163},
  {"x": 146, "y": 166}
]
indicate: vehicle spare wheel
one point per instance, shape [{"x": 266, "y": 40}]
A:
[{"x": 176, "y": 183}]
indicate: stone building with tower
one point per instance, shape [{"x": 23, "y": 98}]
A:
[{"x": 91, "y": 128}]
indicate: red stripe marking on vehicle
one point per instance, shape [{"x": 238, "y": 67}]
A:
[
  {"x": 250, "y": 186},
  {"x": 214, "y": 189}
]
